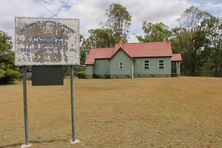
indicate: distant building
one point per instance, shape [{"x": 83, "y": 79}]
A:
[{"x": 152, "y": 59}]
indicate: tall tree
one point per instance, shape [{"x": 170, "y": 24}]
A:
[
  {"x": 180, "y": 41},
  {"x": 191, "y": 21},
  {"x": 192, "y": 18},
  {"x": 119, "y": 20},
  {"x": 100, "y": 37},
  {"x": 213, "y": 27},
  {"x": 8, "y": 72},
  {"x": 154, "y": 32}
]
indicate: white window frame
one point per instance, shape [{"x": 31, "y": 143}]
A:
[
  {"x": 161, "y": 64},
  {"x": 120, "y": 65},
  {"x": 146, "y": 64}
]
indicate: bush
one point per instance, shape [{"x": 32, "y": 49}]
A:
[
  {"x": 76, "y": 68},
  {"x": 81, "y": 74},
  {"x": 8, "y": 72},
  {"x": 10, "y": 76}
]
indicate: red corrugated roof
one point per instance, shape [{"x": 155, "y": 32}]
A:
[
  {"x": 98, "y": 53},
  {"x": 150, "y": 49},
  {"x": 176, "y": 57}
]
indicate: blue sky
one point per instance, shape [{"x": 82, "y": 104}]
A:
[{"x": 92, "y": 13}]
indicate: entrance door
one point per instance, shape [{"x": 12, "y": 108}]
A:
[{"x": 173, "y": 69}]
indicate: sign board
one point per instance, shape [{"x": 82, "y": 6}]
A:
[
  {"x": 47, "y": 75},
  {"x": 46, "y": 44},
  {"x": 46, "y": 41}
]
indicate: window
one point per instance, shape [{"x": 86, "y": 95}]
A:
[
  {"x": 146, "y": 64},
  {"x": 121, "y": 65},
  {"x": 161, "y": 64}
]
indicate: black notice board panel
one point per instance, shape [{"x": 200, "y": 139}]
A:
[{"x": 47, "y": 75}]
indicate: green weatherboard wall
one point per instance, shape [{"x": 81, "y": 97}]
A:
[
  {"x": 101, "y": 68},
  {"x": 131, "y": 67},
  {"x": 89, "y": 71},
  {"x": 126, "y": 70},
  {"x": 154, "y": 69}
]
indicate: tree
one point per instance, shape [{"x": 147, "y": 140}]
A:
[
  {"x": 192, "y": 18},
  {"x": 98, "y": 38},
  {"x": 8, "y": 72},
  {"x": 213, "y": 27},
  {"x": 119, "y": 20},
  {"x": 180, "y": 41},
  {"x": 83, "y": 50},
  {"x": 190, "y": 39},
  {"x": 154, "y": 32}
]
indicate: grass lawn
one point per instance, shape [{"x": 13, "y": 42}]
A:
[{"x": 125, "y": 113}]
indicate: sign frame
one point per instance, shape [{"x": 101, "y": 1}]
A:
[
  {"x": 37, "y": 41},
  {"x": 25, "y": 98}
]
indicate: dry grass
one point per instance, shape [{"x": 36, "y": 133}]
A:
[{"x": 151, "y": 112}]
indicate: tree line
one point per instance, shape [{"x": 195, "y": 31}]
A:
[{"x": 198, "y": 38}]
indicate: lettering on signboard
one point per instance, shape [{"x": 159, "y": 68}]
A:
[{"x": 41, "y": 41}]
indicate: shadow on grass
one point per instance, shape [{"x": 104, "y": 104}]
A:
[{"x": 34, "y": 142}]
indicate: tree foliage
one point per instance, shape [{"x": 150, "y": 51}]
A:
[
  {"x": 114, "y": 31},
  {"x": 199, "y": 41},
  {"x": 213, "y": 29},
  {"x": 154, "y": 32},
  {"x": 8, "y": 72},
  {"x": 198, "y": 38},
  {"x": 98, "y": 38},
  {"x": 83, "y": 50},
  {"x": 119, "y": 20},
  {"x": 181, "y": 42},
  {"x": 192, "y": 18}
]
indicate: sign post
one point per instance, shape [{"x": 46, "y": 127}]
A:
[
  {"x": 27, "y": 144},
  {"x": 74, "y": 141},
  {"x": 47, "y": 44}
]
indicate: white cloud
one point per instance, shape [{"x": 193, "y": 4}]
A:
[
  {"x": 92, "y": 13},
  {"x": 214, "y": 5}
]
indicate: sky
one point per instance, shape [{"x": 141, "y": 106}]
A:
[{"x": 92, "y": 12}]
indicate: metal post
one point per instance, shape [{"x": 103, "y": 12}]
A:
[
  {"x": 74, "y": 141},
  {"x": 27, "y": 144}
]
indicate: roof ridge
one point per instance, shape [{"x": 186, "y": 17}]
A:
[
  {"x": 145, "y": 42},
  {"x": 102, "y": 48}
]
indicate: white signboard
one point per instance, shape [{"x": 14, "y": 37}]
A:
[{"x": 46, "y": 41}]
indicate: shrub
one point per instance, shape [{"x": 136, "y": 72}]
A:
[
  {"x": 8, "y": 72},
  {"x": 81, "y": 74}
]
